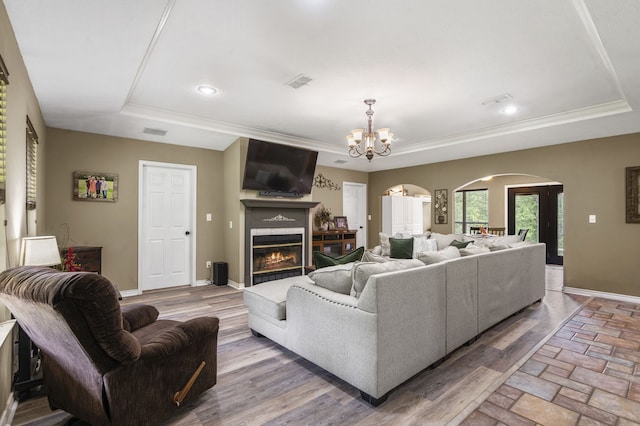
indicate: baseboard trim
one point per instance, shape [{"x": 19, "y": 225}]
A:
[
  {"x": 234, "y": 284},
  {"x": 129, "y": 293},
  {"x": 200, "y": 283},
  {"x": 9, "y": 410},
  {"x": 602, "y": 294}
]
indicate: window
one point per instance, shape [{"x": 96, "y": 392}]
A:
[
  {"x": 472, "y": 209},
  {"x": 32, "y": 178},
  {"x": 4, "y": 81},
  {"x": 32, "y": 165}
]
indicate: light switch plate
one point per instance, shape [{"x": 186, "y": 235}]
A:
[
  {"x": 592, "y": 218},
  {"x": 208, "y": 217}
]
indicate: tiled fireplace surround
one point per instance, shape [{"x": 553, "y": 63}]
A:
[{"x": 268, "y": 217}]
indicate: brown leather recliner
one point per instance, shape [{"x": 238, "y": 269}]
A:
[{"x": 102, "y": 363}]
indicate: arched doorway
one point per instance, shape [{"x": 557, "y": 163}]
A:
[
  {"x": 406, "y": 208},
  {"x": 513, "y": 202}
]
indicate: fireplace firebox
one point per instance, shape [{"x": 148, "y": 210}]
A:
[{"x": 276, "y": 256}]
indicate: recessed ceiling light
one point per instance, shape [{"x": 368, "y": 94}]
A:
[
  {"x": 509, "y": 110},
  {"x": 207, "y": 90}
]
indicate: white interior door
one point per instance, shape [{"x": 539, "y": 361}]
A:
[
  {"x": 354, "y": 207},
  {"x": 166, "y": 217}
]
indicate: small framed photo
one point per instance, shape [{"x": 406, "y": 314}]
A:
[
  {"x": 95, "y": 186},
  {"x": 341, "y": 222}
]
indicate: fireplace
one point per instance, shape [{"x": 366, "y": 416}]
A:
[
  {"x": 276, "y": 239},
  {"x": 276, "y": 256}
]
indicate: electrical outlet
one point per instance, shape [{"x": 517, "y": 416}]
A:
[{"x": 208, "y": 264}]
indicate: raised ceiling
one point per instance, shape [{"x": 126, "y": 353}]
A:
[{"x": 436, "y": 68}]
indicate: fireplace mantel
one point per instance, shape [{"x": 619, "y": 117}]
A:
[{"x": 255, "y": 203}]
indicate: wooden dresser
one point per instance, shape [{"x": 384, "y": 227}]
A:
[{"x": 88, "y": 257}]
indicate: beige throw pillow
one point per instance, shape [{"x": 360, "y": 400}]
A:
[
  {"x": 385, "y": 244},
  {"x": 335, "y": 278},
  {"x": 362, "y": 271},
  {"x": 431, "y": 257}
]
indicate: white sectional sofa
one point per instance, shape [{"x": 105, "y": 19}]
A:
[{"x": 403, "y": 321}]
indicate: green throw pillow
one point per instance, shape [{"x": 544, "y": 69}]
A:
[
  {"x": 460, "y": 244},
  {"x": 401, "y": 248},
  {"x": 321, "y": 260}
]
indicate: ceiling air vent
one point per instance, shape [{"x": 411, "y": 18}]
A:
[
  {"x": 156, "y": 132},
  {"x": 340, "y": 161},
  {"x": 500, "y": 98},
  {"x": 299, "y": 81}
]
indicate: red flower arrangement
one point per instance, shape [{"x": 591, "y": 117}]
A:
[{"x": 69, "y": 261}]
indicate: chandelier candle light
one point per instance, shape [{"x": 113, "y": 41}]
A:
[{"x": 356, "y": 146}]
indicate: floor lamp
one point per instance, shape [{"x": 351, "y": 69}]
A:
[{"x": 34, "y": 251}]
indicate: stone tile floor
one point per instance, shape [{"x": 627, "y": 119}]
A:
[{"x": 587, "y": 373}]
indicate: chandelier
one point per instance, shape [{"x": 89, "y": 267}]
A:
[{"x": 364, "y": 142}]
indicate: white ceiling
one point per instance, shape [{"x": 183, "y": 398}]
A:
[{"x": 117, "y": 67}]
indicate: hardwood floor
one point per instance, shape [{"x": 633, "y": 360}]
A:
[{"x": 259, "y": 382}]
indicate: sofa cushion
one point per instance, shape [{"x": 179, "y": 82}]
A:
[
  {"x": 362, "y": 271},
  {"x": 423, "y": 243},
  {"x": 269, "y": 299},
  {"x": 430, "y": 257},
  {"x": 335, "y": 278},
  {"x": 471, "y": 249},
  {"x": 321, "y": 260},
  {"x": 371, "y": 256},
  {"x": 401, "y": 248},
  {"x": 445, "y": 240}
]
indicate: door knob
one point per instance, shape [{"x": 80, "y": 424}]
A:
[{"x": 187, "y": 233}]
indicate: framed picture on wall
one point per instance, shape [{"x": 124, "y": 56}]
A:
[
  {"x": 441, "y": 206},
  {"x": 632, "y": 197},
  {"x": 95, "y": 186},
  {"x": 341, "y": 222}
]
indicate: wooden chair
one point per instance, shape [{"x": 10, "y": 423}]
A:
[
  {"x": 522, "y": 233},
  {"x": 474, "y": 229},
  {"x": 496, "y": 231}
]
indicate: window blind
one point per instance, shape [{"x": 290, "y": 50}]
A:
[
  {"x": 4, "y": 81},
  {"x": 32, "y": 165}
]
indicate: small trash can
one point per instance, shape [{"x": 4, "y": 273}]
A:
[{"x": 220, "y": 273}]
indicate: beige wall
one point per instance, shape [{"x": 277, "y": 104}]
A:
[
  {"x": 600, "y": 256},
  {"x": 21, "y": 102},
  {"x": 331, "y": 198},
  {"x": 114, "y": 226}
]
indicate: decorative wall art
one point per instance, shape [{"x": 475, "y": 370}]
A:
[
  {"x": 320, "y": 181},
  {"x": 95, "y": 186},
  {"x": 441, "y": 206},
  {"x": 632, "y": 197}
]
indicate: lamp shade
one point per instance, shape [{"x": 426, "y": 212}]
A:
[{"x": 39, "y": 251}]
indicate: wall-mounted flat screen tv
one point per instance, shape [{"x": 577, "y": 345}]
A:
[{"x": 275, "y": 169}]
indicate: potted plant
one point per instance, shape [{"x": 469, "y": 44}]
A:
[{"x": 323, "y": 217}]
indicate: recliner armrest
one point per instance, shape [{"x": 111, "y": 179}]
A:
[
  {"x": 137, "y": 316},
  {"x": 181, "y": 336}
]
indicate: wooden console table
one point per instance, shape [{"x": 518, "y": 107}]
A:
[{"x": 334, "y": 243}]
